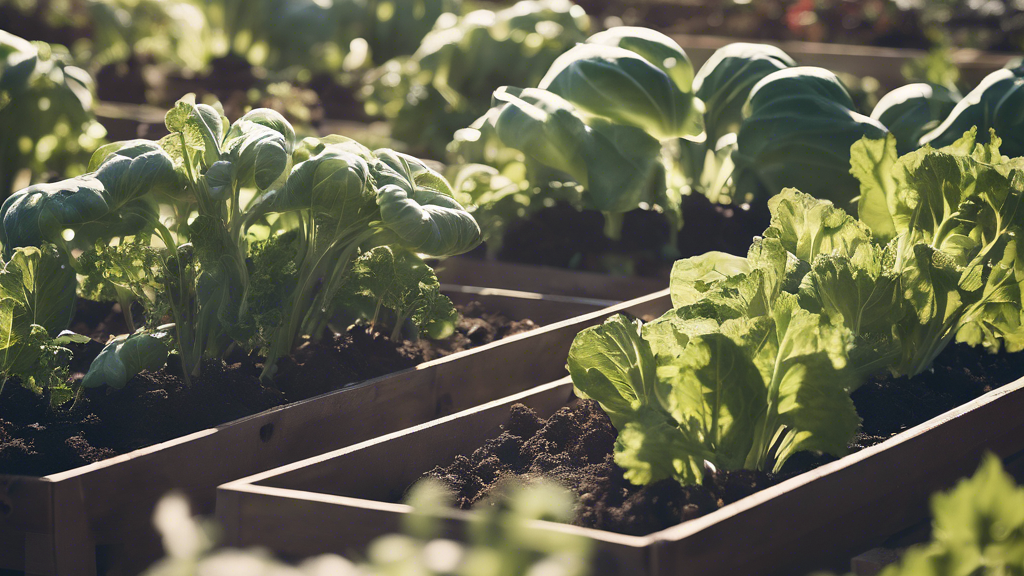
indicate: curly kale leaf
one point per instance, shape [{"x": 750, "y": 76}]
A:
[{"x": 400, "y": 281}]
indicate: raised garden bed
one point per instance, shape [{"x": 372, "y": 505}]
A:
[
  {"x": 95, "y": 519},
  {"x": 337, "y": 501}
]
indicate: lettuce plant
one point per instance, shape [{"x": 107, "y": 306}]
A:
[
  {"x": 46, "y": 112},
  {"x": 977, "y": 528},
  {"x": 955, "y": 216},
  {"x": 759, "y": 354},
  {"x": 37, "y": 300},
  {"x": 737, "y": 374}
]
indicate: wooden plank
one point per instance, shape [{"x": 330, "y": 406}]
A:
[
  {"x": 12, "y": 550},
  {"x": 849, "y": 505},
  {"x": 271, "y": 510},
  {"x": 519, "y": 305},
  {"x": 545, "y": 279},
  {"x": 116, "y": 496},
  {"x": 809, "y": 522}
]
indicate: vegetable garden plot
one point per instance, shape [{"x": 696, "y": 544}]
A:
[
  {"x": 340, "y": 500},
  {"x": 89, "y": 520}
]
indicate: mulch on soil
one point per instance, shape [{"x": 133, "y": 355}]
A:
[{"x": 565, "y": 237}]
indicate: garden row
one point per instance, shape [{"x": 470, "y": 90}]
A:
[{"x": 249, "y": 273}]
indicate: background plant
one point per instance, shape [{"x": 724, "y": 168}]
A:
[
  {"x": 46, "y": 112},
  {"x": 502, "y": 541},
  {"x": 447, "y": 82},
  {"x": 977, "y": 528}
]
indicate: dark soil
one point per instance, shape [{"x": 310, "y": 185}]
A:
[
  {"x": 157, "y": 406},
  {"x": 574, "y": 447},
  {"x": 565, "y": 237}
]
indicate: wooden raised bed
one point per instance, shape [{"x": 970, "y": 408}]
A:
[
  {"x": 335, "y": 502},
  {"x": 96, "y": 519},
  {"x": 547, "y": 280}
]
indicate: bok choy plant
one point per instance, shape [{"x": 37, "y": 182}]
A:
[
  {"x": 758, "y": 356},
  {"x": 235, "y": 235},
  {"x": 346, "y": 197}
]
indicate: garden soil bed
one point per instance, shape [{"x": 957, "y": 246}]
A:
[
  {"x": 564, "y": 237},
  {"x": 154, "y": 407},
  {"x": 918, "y": 437},
  {"x": 574, "y": 448}
]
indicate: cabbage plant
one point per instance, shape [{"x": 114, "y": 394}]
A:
[
  {"x": 798, "y": 126},
  {"x": 996, "y": 104},
  {"x": 605, "y": 118},
  {"x": 911, "y": 111},
  {"x": 723, "y": 84},
  {"x": 46, "y": 112}
]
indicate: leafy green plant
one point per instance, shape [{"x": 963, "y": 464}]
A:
[
  {"x": 214, "y": 230},
  {"x": 740, "y": 377},
  {"x": 911, "y": 111},
  {"x": 502, "y": 541},
  {"x": 584, "y": 125},
  {"x": 724, "y": 82},
  {"x": 448, "y": 80},
  {"x": 168, "y": 31},
  {"x": 346, "y": 197},
  {"x": 798, "y": 126},
  {"x": 994, "y": 105},
  {"x": 400, "y": 281},
  {"x": 46, "y": 113},
  {"x": 37, "y": 300},
  {"x": 757, "y": 358},
  {"x": 977, "y": 528}
]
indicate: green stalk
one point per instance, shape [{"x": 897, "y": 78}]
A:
[
  {"x": 613, "y": 225},
  {"x": 306, "y": 295}
]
